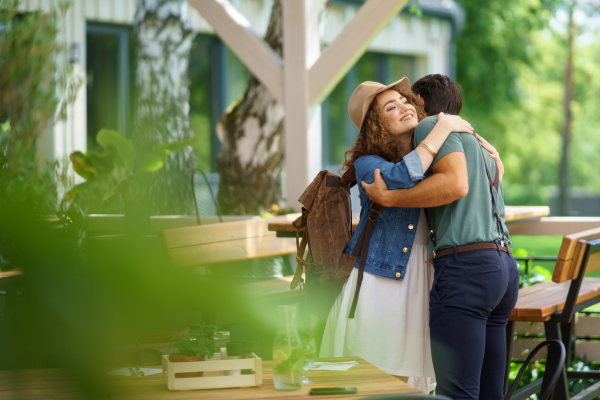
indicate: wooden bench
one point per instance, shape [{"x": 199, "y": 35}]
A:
[
  {"x": 229, "y": 242},
  {"x": 556, "y": 302}
]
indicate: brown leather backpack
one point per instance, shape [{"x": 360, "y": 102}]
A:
[{"x": 326, "y": 224}]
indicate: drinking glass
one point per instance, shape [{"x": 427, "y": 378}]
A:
[{"x": 310, "y": 355}]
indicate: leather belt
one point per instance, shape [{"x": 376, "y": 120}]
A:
[{"x": 471, "y": 247}]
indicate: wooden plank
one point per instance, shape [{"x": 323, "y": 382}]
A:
[
  {"x": 529, "y": 318},
  {"x": 552, "y": 302},
  {"x": 513, "y": 214},
  {"x": 523, "y": 346},
  {"x": 591, "y": 350},
  {"x": 349, "y": 45},
  {"x": 530, "y": 328},
  {"x": 518, "y": 213},
  {"x": 567, "y": 248},
  {"x": 233, "y": 28},
  {"x": 587, "y": 326},
  {"x": 233, "y": 250},
  {"x": 555, "y": 299},
  {"x": 10, "y": 276},
  {"x": 552, "y": 225},
  {"x": 271, "y": 290},
  {"x": 197, "y": 235},
  {"x": 593, "y": 264},
  {"x": 561, "y": 270},
  {"x": 368, "y": 379},
  {"x": 577, "y": 260}
]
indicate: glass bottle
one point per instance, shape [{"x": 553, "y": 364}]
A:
[{"x": 288, "y": 355}]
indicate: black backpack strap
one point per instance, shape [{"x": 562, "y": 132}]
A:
[
  {"x": 431, "y": 234},
  {"x": 363, "y": 244}
]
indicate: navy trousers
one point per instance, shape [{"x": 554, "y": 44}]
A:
[{"x": 473, "y": 295}]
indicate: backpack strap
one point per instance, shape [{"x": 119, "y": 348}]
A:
[
  {"x": 363, "y": 244},
  {"x": 348, "y": 178},
  {"x": 431, "y": 234},
  {"x": 301, "y": 246}
]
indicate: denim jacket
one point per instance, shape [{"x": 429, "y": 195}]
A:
[{"x": 395, "y": 228}]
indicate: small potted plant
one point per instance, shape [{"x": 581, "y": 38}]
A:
[{"x": 196, "y": 343}]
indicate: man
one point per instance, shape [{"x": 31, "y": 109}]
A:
[{"x": 476, "y": 281}]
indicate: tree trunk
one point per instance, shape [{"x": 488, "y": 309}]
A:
[
  {"x": 164, "y": 39},
  {"x": 563, "y": 199},
  {"x": 251, "y": 134}
]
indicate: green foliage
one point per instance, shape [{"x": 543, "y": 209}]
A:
[
  {"x": 34, "y": 87},
  {"x": 511, "y": 64},
  {"x": 113, "y": 168},
  {"x": 578, "y": 385},
  {"x": 197, "y": 340},
  {"x": 535, "y": 370},
  {"x": 535, "y": 274}
]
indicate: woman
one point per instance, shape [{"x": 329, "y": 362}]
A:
[{"x": 391, "y": 324}]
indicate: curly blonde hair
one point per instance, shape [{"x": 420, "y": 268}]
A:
[{"x": 373, "y": 138}]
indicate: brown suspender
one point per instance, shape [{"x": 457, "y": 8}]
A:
[{"x": 494, "y": 185}]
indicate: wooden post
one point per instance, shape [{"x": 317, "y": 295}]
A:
[
  {"x": 302, "y": 122},
  {"x": 308, "y": 78}
]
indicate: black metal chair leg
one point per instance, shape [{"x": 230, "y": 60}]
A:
[
  {"x": 566, "y": 331},
  {"x": 510, "y": 331},
  {"x": 561, "y": 390}
]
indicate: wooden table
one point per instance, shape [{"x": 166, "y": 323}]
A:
[
  {"x": 60, "y": 384},
  {"x": 283, "y": 224}
]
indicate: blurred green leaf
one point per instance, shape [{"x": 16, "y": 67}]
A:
[
  {"x": 156, "y": 159},
  {"x": 82, "y": 165},
  {"x": 107, "y": 138}
]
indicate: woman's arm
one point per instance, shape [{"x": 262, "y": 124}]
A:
[
  {"x": 400, "y": 175},
  {"x": 446, "y": 124}
]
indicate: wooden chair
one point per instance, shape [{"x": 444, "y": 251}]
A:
[{"x": 556, "y": 302}]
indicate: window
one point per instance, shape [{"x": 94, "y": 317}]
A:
[
  {"x": 217, "y": 79},
  {"x": 110, "y": 79}
]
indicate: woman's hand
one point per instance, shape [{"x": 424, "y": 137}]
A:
[
  {"x": 454, "y": 123},
  {"x": 494, "y": 154}
]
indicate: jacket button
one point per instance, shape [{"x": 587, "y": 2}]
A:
[
  {"x": 405, "y": 249},
  {"x": 398, "y": 275},
  {"x": 410, "y": 226}
]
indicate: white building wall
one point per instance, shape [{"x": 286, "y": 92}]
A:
[{"x": 428, "y": 39}]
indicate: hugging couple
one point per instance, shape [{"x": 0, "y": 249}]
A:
[{"x": 433, "y": 316}]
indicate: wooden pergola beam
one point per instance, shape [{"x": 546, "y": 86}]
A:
[
  {"x": 235, "y": 30},
  {"x": 349, "y": 45}
]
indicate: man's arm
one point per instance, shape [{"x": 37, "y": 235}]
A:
[{"x": 449, "y": 182}]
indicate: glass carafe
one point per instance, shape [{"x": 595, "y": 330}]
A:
[{"x": 288, "y": 355}]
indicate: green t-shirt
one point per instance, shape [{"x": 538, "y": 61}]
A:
[{"x": 472, "y": 218}]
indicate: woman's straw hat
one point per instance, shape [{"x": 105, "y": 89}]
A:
[{"x": 363, "y": 96}]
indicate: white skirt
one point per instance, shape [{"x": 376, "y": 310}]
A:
[{"x": 391, "y": 324}]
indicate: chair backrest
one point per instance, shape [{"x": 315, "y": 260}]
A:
[
  {"x": 205, "y": 189},
  {"x": 571, "y": 253},
  {"x": 407, "y": 396},
  {"x": 550, "y": 376}
]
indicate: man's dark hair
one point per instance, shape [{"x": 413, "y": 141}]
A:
[{"x": 441, "y": 94}]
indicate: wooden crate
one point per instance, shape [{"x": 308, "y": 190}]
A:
[{"x": 214, "y": 376}]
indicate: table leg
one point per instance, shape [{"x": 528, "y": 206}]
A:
[{"x": 510, "y": 331}]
